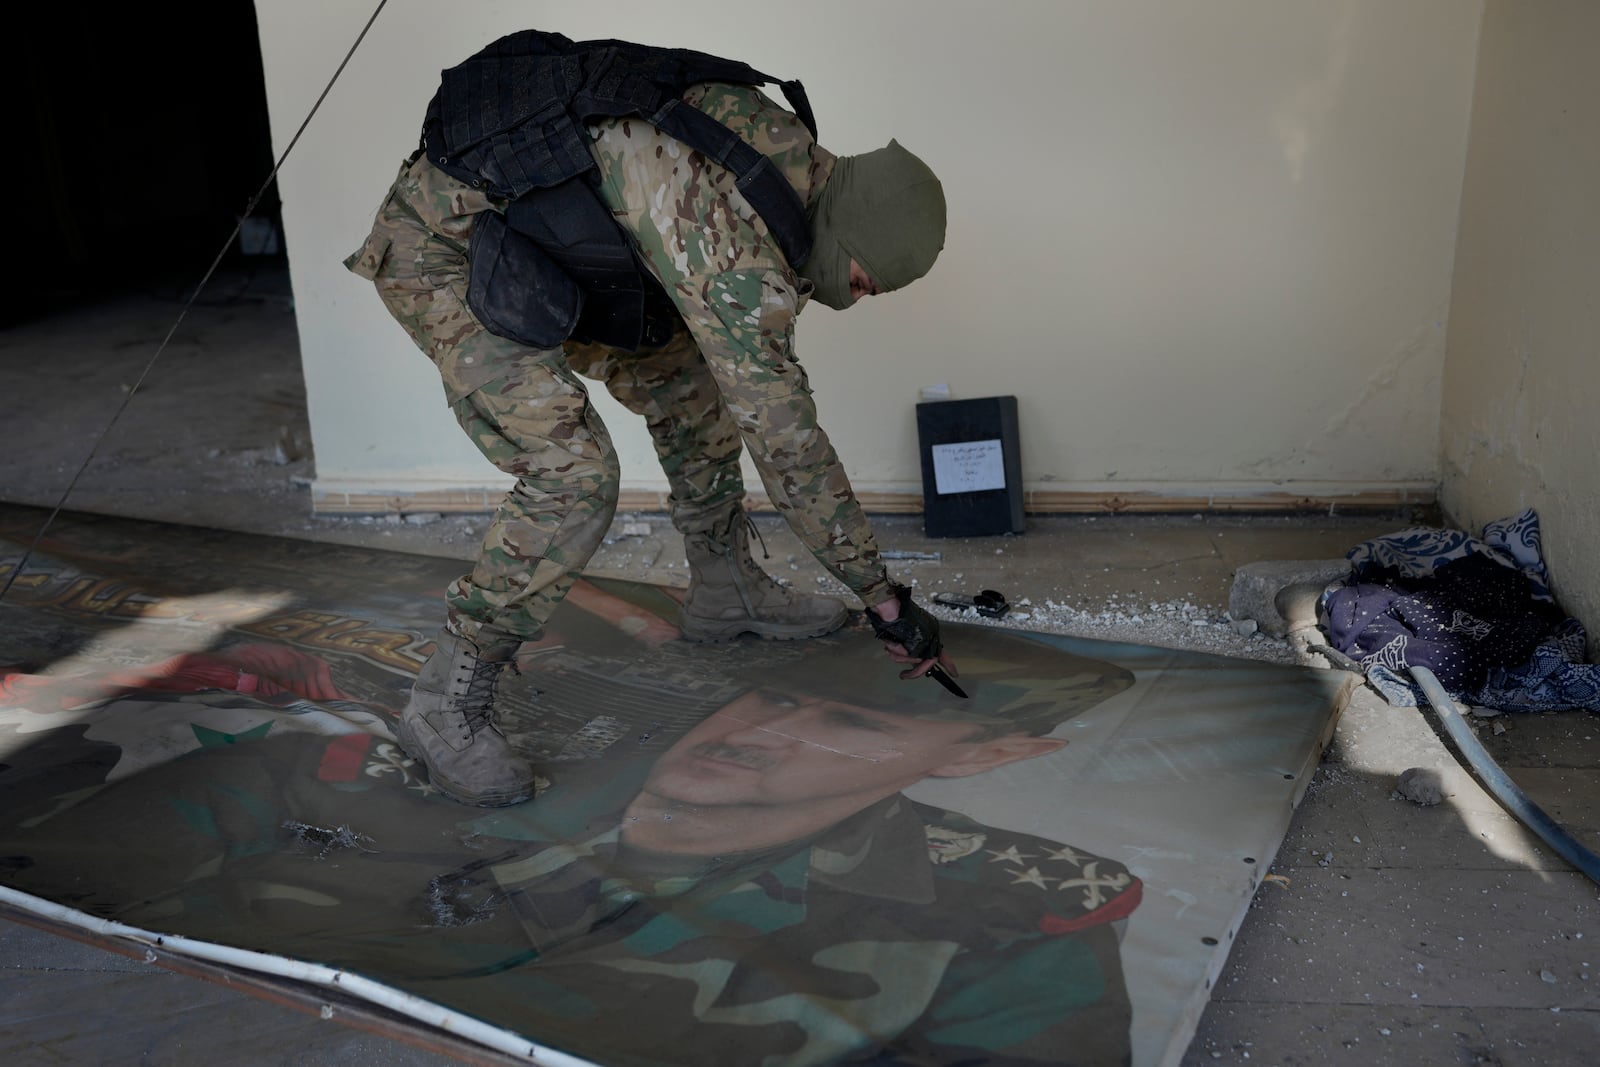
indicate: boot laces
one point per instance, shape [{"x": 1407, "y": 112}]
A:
[
  {"x": 750, "y": 525},
  {"x": 476, "y": 704},
  {"x": 745, "y": 561}
]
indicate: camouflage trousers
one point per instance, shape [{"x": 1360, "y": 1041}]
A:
[
  {"x": 534, "y": 421},
  {"x": 529, "y": 414}
]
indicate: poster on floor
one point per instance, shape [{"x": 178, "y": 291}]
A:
[{"x": 772, "y": 852}]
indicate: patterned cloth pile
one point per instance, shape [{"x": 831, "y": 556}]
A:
[{"x": 1477, "y": 611}]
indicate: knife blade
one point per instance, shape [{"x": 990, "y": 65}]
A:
[{"x": 937, "y": 673}]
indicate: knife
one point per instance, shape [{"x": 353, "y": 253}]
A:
[{"x": 938, "y": 674}]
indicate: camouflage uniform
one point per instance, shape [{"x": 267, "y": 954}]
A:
[
  {"x": 905, "y": 934},
  {"x": 728, "y": 378}
]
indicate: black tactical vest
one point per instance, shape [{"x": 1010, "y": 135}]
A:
[{"x": 511, "y": 120}]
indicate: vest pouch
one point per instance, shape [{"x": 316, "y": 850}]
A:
[
  {"x": 515, "y": 289},
  {"x": 623, "y": 307}
]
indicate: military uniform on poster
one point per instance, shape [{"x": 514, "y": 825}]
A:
[{"x": 905, "y": 934}]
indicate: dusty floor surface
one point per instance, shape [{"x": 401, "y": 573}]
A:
[{"x": 1386, "y": 932}]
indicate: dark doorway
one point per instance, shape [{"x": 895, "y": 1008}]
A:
[
  {"x": 144, "y": 133},
  {"x": 139, "y": 137}
]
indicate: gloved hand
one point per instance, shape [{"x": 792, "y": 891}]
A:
[{"x": 914, "y": 630}]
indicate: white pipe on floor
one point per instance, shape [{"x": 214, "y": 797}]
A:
[{"x": 412, "y": 1007}]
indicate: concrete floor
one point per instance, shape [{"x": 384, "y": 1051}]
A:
[{"x": 1387, "y": 933}]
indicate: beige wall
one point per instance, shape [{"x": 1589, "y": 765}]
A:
[
  {"x": 1208, "y": 245},
  {"x": 1520, "y": 422}
]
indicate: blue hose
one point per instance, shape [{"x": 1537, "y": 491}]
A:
[{"x": 1507, "y": 792}]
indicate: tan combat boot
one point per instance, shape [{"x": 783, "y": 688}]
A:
[
  {"x": 449, "y": 725},
  {"x": 729, "y": 594}
]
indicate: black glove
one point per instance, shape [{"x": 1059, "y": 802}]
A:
[{"x": 915, "y": 630}]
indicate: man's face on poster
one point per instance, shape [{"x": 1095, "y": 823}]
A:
[{"x": 769, "y": 748}]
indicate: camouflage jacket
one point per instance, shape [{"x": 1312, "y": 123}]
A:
[{"x": 905, "y": 934}]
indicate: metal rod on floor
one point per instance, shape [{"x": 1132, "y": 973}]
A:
[
  {"x": 407, "y": 1004},
  {"x": 1506, "y": 791}
]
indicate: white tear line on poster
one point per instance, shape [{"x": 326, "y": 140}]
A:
[{"x": 969, "y": 467}]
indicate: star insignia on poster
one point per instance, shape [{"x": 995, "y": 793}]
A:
[
  {"x": 1009, "y": 855},
  {"x": 1066, "y": 854},
  {"x": 1031, "y": 876}
]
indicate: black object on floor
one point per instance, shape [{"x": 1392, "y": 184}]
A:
[{"x": 971, "y": 467}]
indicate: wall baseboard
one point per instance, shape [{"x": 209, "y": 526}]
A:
[{"x": 1324, "y": 497}]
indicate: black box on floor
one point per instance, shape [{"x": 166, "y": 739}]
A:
[{"x": 971, "y": 467}]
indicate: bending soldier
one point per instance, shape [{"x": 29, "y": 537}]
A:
[{"x": 549, "y": 227}]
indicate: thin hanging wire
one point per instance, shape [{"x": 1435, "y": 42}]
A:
[{"x": 250, "y": 206}]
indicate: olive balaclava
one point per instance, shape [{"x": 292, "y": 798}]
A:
[{"x": 884, "y": 209}]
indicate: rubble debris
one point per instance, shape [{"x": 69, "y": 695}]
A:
[
  {"x": 988, "y": 603},
  {"x": 1421, "y": 785},
  {"x": 325, "y": 841},
  {"x": 460, "y": 899},
  {"x": 1169, "y": 624},
  {"x": 289, "y": 447}
]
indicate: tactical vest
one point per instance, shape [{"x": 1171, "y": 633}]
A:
[{"x": 511, "y": 120}]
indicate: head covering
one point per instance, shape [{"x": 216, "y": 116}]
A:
[
  {"x": 884, "y": 209},
  {"x": 1014, "y": 684}
]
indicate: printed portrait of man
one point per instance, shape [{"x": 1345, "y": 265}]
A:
[
  {"x": 756, "y": 888},
  {"x": 762, "y": 891}
]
